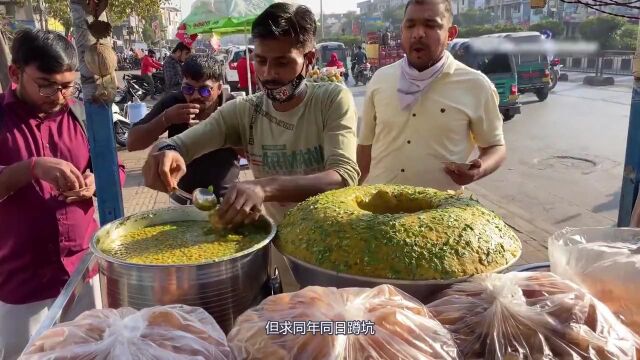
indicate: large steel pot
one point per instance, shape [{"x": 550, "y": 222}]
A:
[
  {"x": 424, "y": 290},
  {"x": 224, "y": 288}
]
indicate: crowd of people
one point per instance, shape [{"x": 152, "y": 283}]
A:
[
  {"x": 423, "y": 118},
  {"x": 300, "y": 138}
]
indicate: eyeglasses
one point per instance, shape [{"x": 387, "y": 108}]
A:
[
  {"x": 51, "y": 90},
  {"x": 203, "y": 91},
  {"x": 66, "y": 91}
]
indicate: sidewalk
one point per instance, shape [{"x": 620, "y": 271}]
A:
[
  {"x": 138, "y": 198},
  {"x": 135, "y": 195}
]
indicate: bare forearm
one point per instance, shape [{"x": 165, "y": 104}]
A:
[
  {"x": 13, "y": 177},
  {"x": 299, "y": 188},
  {"x": 492, "y": 158},
  {"x": 142, "y": 136},
  {"x": 363, "y": 156}
]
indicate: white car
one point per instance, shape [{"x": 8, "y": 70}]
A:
[{"x": 230, "y": 66}]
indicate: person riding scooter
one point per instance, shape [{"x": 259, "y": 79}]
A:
[{"x": 359, "y": 58}]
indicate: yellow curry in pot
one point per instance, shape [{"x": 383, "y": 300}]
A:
[{"x": 183, "y": 242}]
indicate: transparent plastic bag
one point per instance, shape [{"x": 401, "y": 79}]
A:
[
  {"x": 158, "y": 333},
  {"x": 605, "y": 262},
  {"x": 530, "y": 316},
  {"x": 403, "y": 328}
]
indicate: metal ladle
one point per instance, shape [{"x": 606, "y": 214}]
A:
[{"x": 204, "y": 200}]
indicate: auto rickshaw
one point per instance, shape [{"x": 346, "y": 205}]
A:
[
  {"x": 532, "y": 68},
  {"x": 500, "y": 68},
  {"x": 323, "y": 54}
]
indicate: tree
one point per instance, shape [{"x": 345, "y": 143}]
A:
[
  {"x": 603, "y": 30},
  {"x": 627, "y": 37},
  {"x": 556, "y": 27},
  {"x": 148, "y": 35},
  {"x": 473, "y": 17},
  {"x": 59, "y": 10},
  {"x": 119, "y": 10},
  {"x": 394, "y": 16}
]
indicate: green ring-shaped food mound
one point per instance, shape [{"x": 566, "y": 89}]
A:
[{"x": 398, "y": 232}]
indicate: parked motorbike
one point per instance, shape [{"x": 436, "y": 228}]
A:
[
  {"x": 127, "y": 94},
  {"x": 362, "y": 74},
  {"x": 121, "y": 124},
  {"x": 555, "y": 67},
  {"x": 138, "y": 80}
]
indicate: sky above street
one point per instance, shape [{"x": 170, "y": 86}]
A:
[{"x": 330, "y": 6}]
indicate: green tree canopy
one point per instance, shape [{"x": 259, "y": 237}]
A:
[
  {"x": 59, "y": 10},
  {"x": 394, "y": 15},
  {"x": 118, "y": 10},
  {"x": 627, "y": 37},
  {"x": 603, "y": 30}
]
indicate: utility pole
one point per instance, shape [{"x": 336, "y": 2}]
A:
[
  {"x": 99, "y": 121},
  {"x": 321, "y": 20},
  {"x": 43, "y": 16},
  {"x": 631, "y": 172}
]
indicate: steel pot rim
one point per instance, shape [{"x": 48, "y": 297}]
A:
[
  {"x": 390, "y": 281},
  {"x": 106, "y": 229}
]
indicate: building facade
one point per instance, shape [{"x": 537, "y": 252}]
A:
[{"x": 171, "y": 17}]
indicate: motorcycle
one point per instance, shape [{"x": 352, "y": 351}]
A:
[
  {"x": 127, "y": 94},
  {"x": 362, "y": 74},
  {"x": 121, "y": 124},
  {"x": 555, "y": 67},
  {"x": 138, "y": 80}
]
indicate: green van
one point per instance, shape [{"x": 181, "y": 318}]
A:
[
  {"x": 499, "y": 68},
  {"x": 533, "y": 69}
]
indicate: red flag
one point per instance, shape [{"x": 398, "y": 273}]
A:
[{"x": 184, "y": 37}]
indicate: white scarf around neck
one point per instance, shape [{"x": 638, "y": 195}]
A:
[{"x": 414, "y": 83}]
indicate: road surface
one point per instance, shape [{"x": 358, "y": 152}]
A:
[{"x": 565, "y": 159}]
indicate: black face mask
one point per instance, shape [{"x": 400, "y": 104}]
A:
[{"x": 288, "y": 91}]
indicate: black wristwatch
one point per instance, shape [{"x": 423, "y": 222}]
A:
[{"x": 168, "y": 147}]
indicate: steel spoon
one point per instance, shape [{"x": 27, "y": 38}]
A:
[{"x": 204, "y": 200}]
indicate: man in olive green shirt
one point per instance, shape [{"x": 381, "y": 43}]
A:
[{"x": 300, "y": 137}]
